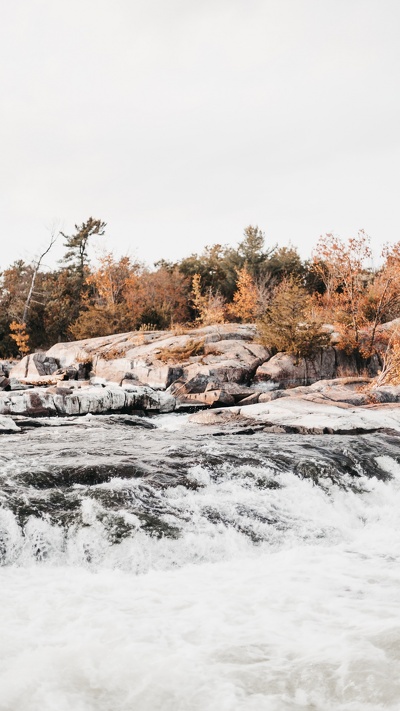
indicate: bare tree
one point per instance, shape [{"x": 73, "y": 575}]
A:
[{"x": 53, "y": 237}]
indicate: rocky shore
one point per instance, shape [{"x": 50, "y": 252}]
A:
[{"x": 221, "y": 370}]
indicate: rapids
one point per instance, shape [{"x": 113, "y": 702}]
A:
[{"x": 187, "y": 569}]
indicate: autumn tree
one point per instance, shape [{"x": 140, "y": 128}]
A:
[
  {"x": 289, "y": 323},
  {"x": 382, "y": 299},
  {"x": 104, "y": 310},
  {"x": 209, "y": 306},
  {"x": 19, "y": 334},
  {"x": 342, "y": 266},
  {"x": 14, "y": 286},
  {"x": 245, "y": 298},
  {"x": 158, "y": 298}
]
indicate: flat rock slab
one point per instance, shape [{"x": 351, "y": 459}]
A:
[
  {"x": 303, "y": 416},
  {"x": 63, "y": 402}
]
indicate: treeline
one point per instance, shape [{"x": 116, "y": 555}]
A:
[{"x": 290, "y": 299}]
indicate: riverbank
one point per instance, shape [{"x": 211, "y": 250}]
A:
[{"x": 215, "y": 367}]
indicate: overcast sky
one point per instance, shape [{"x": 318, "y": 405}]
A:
[{"x": 179, "y": 122}]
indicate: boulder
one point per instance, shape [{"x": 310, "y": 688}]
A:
[
  {"x": 4, "y": 383},
  {"x": 200, "y": 390},
  {"x": 385, "y": 394},
  {"x": 6, "y": 367},
  {"x": 111, "y": 370},
  {"x": 8, "y": 426},
  {"x": 204, "y": 389},
  {"x": 250, "y": 399},
  {"x": 33, "y": 402},
  {"x": 34, "y": 367},
  {"x": 284, "y": 370},
  {"x": 15, "y": 384}
]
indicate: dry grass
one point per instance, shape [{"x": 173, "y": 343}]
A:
[
  {"x": 83, "y": 357},
  {"x": 147, "y": 327},
  {"x": 181, "y": 353},
  {"x": 114, "y": 352},
  {"x": 181, "y": 329},
  {"x": 347, "y": 371}
]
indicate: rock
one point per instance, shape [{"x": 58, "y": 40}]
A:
[
  {"x": 385, "y": 394},
  {"x": 237, "y": 390},
  {"x": 8, "y": 426},
  {"x": 35, "y": 366},
  {"x": 217, "y": 416},
  {"x": 4, "y": 383},
  {"x": 298, "y": 412},
  {"x": 98, "y": 381},
  {"x": 36, "y": 403},
  {"x": 71, "y": 373},
  {"x": 6, "y": 367},
  {"x": 144, "y": 398},
  {"x": 16, "y": 384},
  {"x": 200, "y": 390},
  {"x": 287, "y": 372},
  {"x": 111, "y": 370},
  {"x": 156, "y": 377},
  {"x": 283, "y": 369},
  {"x": 297, "y": 415},
  {"x": 250, "y": 399},
  {"x": 158, "y": 359},
  {"x": 273, "y": 395},
  {"x": 96, "y": 400}
]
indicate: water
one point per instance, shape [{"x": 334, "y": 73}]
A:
[{"x": 170, "y": 569}]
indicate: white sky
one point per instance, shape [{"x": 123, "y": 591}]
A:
[{"x": 179, "y": 122}]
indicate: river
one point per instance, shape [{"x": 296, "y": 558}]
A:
[{"x": 185, "y": 569}]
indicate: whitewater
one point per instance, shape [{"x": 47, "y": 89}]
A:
[{"x": 181, "y": 569}]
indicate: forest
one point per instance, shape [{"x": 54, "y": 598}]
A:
[{"x": 296, "y": 304}]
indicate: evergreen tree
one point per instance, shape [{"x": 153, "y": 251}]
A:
[{"x": 76, "y": 256}]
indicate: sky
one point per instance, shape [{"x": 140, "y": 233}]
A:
[{"x": 179, "y": 122}]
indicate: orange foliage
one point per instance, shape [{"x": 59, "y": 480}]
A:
[
  {"x": 245, "y": 298},
  {"x": 159, "y": 298},
  {"x": 210, "y": 307},
  {"x": 20, "y": 336},
  {"x": 342, "y": 268}
]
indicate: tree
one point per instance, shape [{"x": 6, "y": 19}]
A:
[
  {"x": 14, "y": 285},
  {"x": 210, "y": 307},
  {"x": 76, "y": 256},
  {"x": 245, "y": 298},
  {"x": 72, "y": 289},
  {"x": 250, "y": 251},
  {"x": 36, "y": 267},
  {"x": 382, "y": 298},
  {"x": 288, "y": 323},
  {"x": 104, "y": 310},
  {"x": 286, "y": 261},
  {"x": 158, "y": 298},
  {"x": 342, "y": 268},
  {"x": 19, "y": 335},
  {"x": 217, "y": 266}
]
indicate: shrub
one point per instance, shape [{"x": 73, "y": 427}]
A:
[{"x": 288, "y": 323}]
